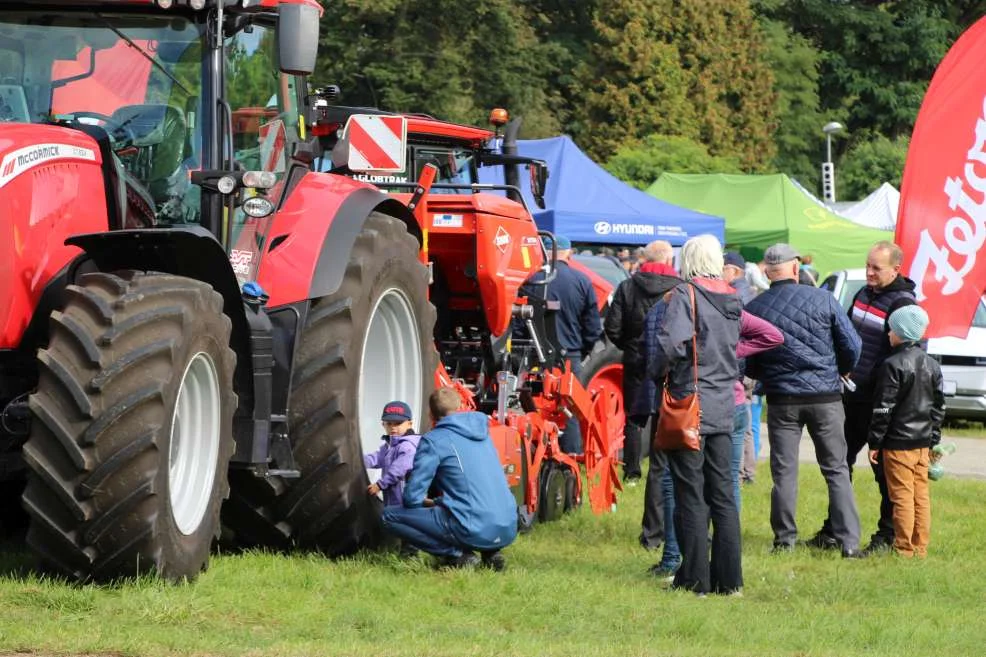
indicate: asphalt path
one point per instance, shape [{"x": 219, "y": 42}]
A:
[{"x": 968, "y": 460}]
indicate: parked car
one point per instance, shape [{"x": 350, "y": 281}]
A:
[
  {"x": 605, "y": 275},
  {"x": 963, "y": 361}
]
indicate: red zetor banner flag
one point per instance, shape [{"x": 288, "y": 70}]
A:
[{"x": 941, "y": 223}]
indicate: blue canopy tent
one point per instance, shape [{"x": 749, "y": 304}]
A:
[{"x": 587, "y": 204}]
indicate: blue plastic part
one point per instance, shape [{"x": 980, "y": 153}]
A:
[{"x": 253, "y": 289}]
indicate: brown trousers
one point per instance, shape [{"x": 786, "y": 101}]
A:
[{"x": 907, "y": 480}]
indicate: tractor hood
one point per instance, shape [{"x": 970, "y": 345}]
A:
[{"x": 51, "y": 187}]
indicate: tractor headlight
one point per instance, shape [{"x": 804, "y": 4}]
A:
[
  {"x": 259, "y": 179},
  {"x": 257, "y": 207},
  {"x": 226, "y": 184}
]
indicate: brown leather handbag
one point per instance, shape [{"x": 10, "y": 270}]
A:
[{"x": 679, "y": 419}]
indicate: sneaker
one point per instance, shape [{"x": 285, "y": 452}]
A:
[
  {"x": 854, "y": 554},
  {"x": 465, "y": 561},
  {"x": 780, "y": 547},
  {"x": 664, "y": 571},
  {"x": 876, "y": 546},
  {"x": 822, "y": 541},
  {"x": 632, "y": 480},
  {"x": 494, "y": 560}
]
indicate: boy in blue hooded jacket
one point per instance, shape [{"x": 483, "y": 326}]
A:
[{"x": 474, "y": 509}]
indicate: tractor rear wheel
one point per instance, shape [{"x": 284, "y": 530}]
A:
[
  {"x": 603, "y": 370},
  {"x": 132, "y": 428},
  {"x": 368, "y": 343}
]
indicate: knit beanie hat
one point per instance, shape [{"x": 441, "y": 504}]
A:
[{"x": 909, "y": 323}]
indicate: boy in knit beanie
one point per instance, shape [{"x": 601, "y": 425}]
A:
[{"x": 908, "y": 409}]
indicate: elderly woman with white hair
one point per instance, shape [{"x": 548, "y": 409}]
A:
[{"x": 702, "y": 479}]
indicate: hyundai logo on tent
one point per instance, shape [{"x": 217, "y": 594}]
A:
[{"x": 587, "y": 204}]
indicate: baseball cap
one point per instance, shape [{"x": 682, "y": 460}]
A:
[
  {"x": 780, "y": 253},
  {"x": 734, "y": 259},
  {"x": 909, "y": 323},
  {"x": 563, "y": 243},
  {"x": 396, "y": 411}
]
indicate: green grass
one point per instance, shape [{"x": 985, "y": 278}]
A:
[
  {"x": 964, "y": 428},
  {"x": 575, "y": 587}
]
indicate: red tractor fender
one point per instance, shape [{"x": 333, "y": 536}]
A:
[{"x": 312, "y": 235}]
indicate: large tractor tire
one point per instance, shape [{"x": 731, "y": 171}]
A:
[
  {"x": 368, "y": 343},
  {"x": 132, "y": 428},
  {"x": 603, "y": 370}
]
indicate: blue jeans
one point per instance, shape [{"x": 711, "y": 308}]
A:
[
  {"x": 671, "y": 557},
  {"x": 756, "y": 408},
  {"x": 736, "y": 456},
  {"x": 424, "y": 528}
]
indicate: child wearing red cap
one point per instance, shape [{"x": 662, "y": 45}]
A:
[{"x": 396, "y": 456}]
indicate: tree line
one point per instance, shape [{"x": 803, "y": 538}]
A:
[{"x": 644, "y": 86}]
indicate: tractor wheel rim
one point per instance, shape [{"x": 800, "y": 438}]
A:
[
  {"x": 194, "y": 451},
  {"x": 610, "y": 379},
  {"x": 390, "y": 366}
]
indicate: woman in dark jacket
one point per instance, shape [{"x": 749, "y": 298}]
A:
[
  {"x": 624, "y": 325},
  {"x": 702, "y": 479}
]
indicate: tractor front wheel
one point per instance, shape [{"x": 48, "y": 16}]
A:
[{"x": 132, "y": 428}]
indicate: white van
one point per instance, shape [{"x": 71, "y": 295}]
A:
[{"x": 963, "y": 361}]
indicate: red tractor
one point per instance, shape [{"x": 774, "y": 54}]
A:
[
  {"x": 198, "y": 330},
  {"x": 511, "y": 375}
]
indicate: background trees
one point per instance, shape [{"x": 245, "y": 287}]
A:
[{"x": 648, "y": 84}]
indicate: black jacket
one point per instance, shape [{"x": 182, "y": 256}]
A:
[
  {"x": 624, "y": 325},
  {"x": 577, "y": 324},
  {"x": 908, "y": 402},
  {"x": 869, "y": 312}
]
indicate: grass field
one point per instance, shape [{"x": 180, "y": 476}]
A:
[{"x": 575, "y": 587}]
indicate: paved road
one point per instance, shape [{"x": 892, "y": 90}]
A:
[{"x": 969, "y": 459}]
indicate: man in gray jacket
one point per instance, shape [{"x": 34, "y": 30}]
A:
[{"x": 801, "y": 379}]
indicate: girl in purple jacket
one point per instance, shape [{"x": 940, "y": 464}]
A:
[{"x": 396, "y": 456}]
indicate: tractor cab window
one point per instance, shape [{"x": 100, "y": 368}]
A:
[
  {"x": 455, "y": 166},
  {"x": 263, "y": 101},
  {"x": 266, "y": 117},
  {"x": 135, "y": 78}
]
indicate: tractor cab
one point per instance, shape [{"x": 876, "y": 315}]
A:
[{"x": 151, "y": 83}]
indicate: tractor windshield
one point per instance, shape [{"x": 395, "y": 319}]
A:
[{"x": 137, "y": 77}]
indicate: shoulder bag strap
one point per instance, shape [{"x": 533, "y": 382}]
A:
[{"x": 691, "y": 296}]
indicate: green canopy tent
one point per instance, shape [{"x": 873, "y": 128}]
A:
[{"x": 763, "y": 210}]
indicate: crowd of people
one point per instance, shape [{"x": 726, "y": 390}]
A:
[
  {"x": 711, "y": 328},
  {"x": 851, "y": 379}
]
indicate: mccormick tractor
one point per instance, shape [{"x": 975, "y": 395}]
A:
[{"x": 198, "y": 331}]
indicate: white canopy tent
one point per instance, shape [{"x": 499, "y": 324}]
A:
[{"x": 878, "y": 210}]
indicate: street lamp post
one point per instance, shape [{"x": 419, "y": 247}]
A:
[{"x": 828, "y": 167}]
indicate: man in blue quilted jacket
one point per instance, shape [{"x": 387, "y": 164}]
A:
[{"x": 801, "y": 379}]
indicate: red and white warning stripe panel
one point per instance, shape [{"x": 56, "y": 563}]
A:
[{"x": 376, "y": 143}]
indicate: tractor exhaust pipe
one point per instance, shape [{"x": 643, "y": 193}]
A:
[{"x": 511, "y": 173}]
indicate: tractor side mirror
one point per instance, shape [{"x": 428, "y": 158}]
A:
[
  {"x": 372, "y": 143},
  {"x": 539, "y": 180},
  {"x": 297, "y": 37}
]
